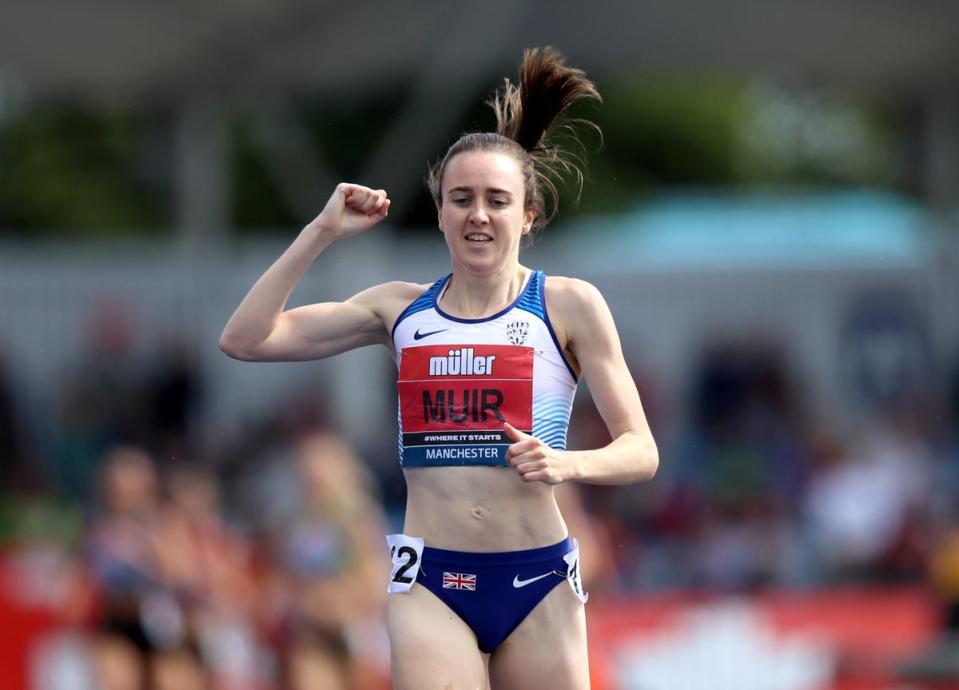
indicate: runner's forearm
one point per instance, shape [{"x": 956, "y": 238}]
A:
[
  {"x": 632, "y": 457},
  {"x": 256, "y": 316}
]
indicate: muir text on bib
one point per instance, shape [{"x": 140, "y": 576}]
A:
[{"x": 454, "y": 400}]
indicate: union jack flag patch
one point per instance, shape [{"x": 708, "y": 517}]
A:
[{"x": 459, "y": 581}]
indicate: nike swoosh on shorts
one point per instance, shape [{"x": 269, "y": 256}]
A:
[
  {"x": 517, "y": 583},
  {"x": 420, "y": 336}
]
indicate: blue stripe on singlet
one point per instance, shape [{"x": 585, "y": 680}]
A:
[
  {"x": 533, "y": 300},
  {"x": 421, "y": 303}
]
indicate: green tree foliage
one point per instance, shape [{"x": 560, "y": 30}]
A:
[
  {"x": 67, "y": 169},
  {"x": 256, "y": 199},
  {"x": 86, "y": 171}
]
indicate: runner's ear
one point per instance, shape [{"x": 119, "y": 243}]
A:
[{"x": 530, "y": 217}]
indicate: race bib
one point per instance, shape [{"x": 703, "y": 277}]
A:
[
  {"x": 454, "y": 400},
  {"x": 572, "y": 572},
  {"x": 406, "y": 554}
]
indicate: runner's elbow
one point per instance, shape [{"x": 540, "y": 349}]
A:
[
  {"x": 650, "y": 462},
  {"x": 234, "y": 349},
  {"x": 647, "y": 459}
]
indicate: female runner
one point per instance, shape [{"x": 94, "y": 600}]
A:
[{"x": 488, "y": 361}]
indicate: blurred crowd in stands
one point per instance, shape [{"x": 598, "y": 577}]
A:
[{"x": 260, "y": 563}]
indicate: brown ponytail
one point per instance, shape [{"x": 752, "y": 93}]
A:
[{"x": 530, "y": 126}]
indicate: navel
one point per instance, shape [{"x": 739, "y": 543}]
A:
[{"x": 478, "y": 512}]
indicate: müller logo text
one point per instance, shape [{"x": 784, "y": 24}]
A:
[{"x": 462, "y": 362}]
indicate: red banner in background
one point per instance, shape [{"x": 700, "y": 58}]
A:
[
  {"x": 818, "y": 640},
  {"x": 26, "y": 619}
]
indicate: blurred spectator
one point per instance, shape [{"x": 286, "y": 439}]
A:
[
  {"x": 101, "y": 405},
  {"x": 940, "y": 662},
  {"x": 944, "y": 564},
  {"x": 139, "y": 614},
  {"x": 328, "y": 588},
  {"x": 863, "y": 506},
  {"x": 11, "y": 440},
  {"x": 206, "y": 564},
  {"x": 721, "y": 513},
  {"x": 749, "y": 442},
  {"x": 944, "y": 573},
  {"x": 173, "y": 392}
]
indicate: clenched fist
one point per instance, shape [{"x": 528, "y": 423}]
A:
[{"x": 352, "y": 209}]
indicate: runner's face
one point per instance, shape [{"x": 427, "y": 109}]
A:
[{"x": 482, "y": 214}]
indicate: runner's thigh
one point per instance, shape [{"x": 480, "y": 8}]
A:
[
  {"x": 547, "y": 650},
  {"x": 430, "y": 646}
]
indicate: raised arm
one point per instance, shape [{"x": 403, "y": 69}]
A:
[
  {"x": 583, "y": 321},
  {"x": 261, "y": 330}
]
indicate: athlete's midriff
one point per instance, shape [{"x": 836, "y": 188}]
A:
[{"x": 480, "y": 509}]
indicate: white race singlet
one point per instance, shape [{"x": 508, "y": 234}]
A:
[{"x": 461, "y": 379}]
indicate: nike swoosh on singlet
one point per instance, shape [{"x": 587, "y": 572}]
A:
[
  {"x": 517, "y": 583},
  {"x": 419, "y": 336}
]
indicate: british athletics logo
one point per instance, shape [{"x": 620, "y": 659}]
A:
[{"x": 459, "y": 581}]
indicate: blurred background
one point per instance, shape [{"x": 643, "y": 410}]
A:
[{"x": 772, "y": 217}]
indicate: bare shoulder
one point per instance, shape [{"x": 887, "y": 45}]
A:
[
  {"x": 572, "y": 296},
  {"x": 578, "y": 313},
  {"x": 388, "y": 300},
  {"x": 394, "y": 290}
]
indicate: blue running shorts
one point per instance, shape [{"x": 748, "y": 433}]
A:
[{"x": 491, "y": 592}]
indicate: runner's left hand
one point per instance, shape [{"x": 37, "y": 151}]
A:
[{"x": 534, "y": 460}]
